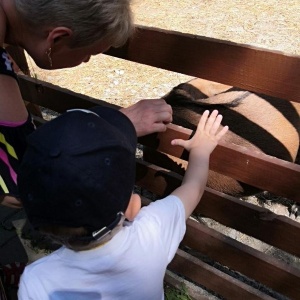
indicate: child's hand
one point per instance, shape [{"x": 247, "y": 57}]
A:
[
  {"x": 200, "y": 146},
  {"x": 206, "y": 136}
]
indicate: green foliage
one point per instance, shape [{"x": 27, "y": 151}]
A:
[{"x": 176, "y": 294}]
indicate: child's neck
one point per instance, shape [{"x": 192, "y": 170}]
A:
[{"x": 104, "y": 240}]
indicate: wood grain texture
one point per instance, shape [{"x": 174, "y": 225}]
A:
[{"x": 250, "y": 68}]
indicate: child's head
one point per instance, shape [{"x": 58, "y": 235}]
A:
[{"x": 78, "y": 173}]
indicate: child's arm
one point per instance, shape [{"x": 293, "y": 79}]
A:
[{"x": 200, "y": 147}]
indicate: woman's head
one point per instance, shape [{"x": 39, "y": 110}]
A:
[{"x": 97, "y": 24}]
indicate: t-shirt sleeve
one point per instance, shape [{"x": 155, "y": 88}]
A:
[{"x": 166, "y": 217}]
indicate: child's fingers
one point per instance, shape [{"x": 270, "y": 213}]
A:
[
  {"x": 216, "y": 124},
  {"x": 210, "y": 121},
  {"x": 178, "y": 142},
  {"x": 203, "y": 120},
  {"x": 220, "y": 134}
]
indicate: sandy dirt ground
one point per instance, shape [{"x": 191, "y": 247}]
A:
[{"x": 271, "y": 24}]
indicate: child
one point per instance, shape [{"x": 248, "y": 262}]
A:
[{"x": 76, "y": 183}]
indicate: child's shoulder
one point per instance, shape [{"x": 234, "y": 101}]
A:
[
  {"x": 37, "y": 266},
  {"x": 165, "y": 208},
  {"x": 168, "y": 201}
]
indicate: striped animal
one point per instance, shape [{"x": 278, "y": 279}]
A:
[{"x": 255, "y": 121}]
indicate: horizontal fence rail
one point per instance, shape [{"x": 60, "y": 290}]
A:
[
  {"x": 246, "y": 67},
  {"x": 250, "y": 219},
  {"x": 213, "y": 279}
]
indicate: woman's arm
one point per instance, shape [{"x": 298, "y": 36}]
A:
[{"x": 12, "y": 107}]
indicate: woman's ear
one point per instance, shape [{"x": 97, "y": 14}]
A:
[
  {"x": 133, "y": 207},
  {"x": 58, "y": 33}
]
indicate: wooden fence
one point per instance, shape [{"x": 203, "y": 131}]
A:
[{"x": 253, "y": 69}]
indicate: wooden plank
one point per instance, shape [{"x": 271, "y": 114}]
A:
[
  {"x": 213, "y": 279},
  {"x": 250, "y": 68},
  {"x": 266, "y": 172},
  {"x": 250, "y": 219},
  {"x": 18, "y": 56},
  {"x": 56, "y": 98},
  {"x": 248, "y": 166},
  {"x": 261, "y": 223},
  {"x": 277, "y": 275},
  {"x": 194, "y": 292},
  {"x": 160, "y": 181}
]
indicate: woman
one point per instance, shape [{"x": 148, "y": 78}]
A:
[{"x": 59, "y": 34}]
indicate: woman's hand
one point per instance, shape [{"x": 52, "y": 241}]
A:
[{"x": 149, "y": 116}]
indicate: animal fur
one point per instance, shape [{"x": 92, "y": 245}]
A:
[{"x": 257, "y": 122}]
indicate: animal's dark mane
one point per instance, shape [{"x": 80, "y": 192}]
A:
[{"x": 191, "y": 98}]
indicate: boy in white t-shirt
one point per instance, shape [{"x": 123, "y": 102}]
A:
[{"x": 76, "y": 183}]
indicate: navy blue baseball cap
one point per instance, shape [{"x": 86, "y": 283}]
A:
[{"x": 79, "y": 169}]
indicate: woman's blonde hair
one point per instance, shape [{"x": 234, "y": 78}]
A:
[{"x": 90, "y": 20}]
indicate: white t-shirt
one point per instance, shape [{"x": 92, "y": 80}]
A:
[{"x": 131, "y": 266}]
